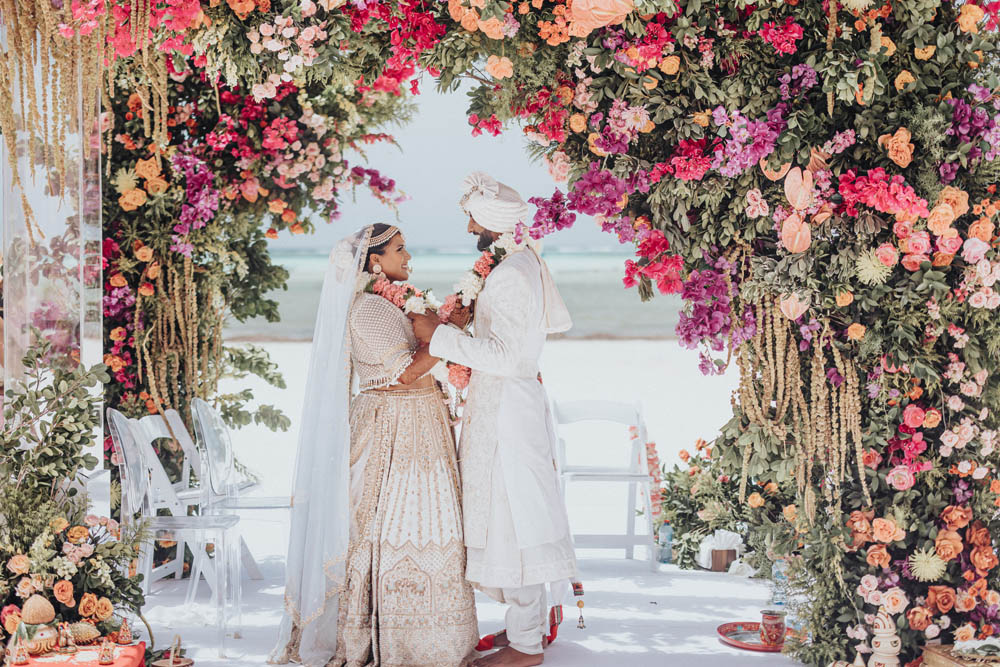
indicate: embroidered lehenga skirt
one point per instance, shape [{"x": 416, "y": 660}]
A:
[{"x": 406, "y": 600}]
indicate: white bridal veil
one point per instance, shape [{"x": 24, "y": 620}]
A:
[{"x": 320, "y": 517}]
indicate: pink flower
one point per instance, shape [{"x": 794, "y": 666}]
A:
[
  {"x": 558, "y": 166},
  {"x": 901, "y": 478},
  {"x": 446, "y": 309},
  {"x": 913, "y": 416},
  {"x": 978, "y": 300},
  {"x": 913, "y": 262},
  {"x": 458, "y": 375},
  {"x": 887, "y": 254},
  {"x": 484, "y": 264},
  {"x": 902, "y": 229},
  {"x": 973, "y": 250},
  {"x": 918, "y": 243},
  {"x": 955, "y": 403},
  {"x": 756, "y": 206}
]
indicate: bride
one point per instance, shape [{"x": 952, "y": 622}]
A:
[{"x": 376, "y": 563}]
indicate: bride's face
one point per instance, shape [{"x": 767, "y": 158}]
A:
[{"x": 394, "y": 260}]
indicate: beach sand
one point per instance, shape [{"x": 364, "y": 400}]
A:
[{"x": 647, "y": 617}]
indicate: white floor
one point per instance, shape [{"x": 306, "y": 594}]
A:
[{"x": 633, "y": 616}]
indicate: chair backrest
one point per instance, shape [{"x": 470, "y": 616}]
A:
[
  {"x": 161, "y": 492},
  {"x": 213, "y": 436},
  {"x": 131, "y": 466},
  {"x": 627, "y": 414},
  {"x": 170, "y": 425}
]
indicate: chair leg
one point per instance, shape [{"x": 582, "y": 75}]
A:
[
  {"x": 236, "y": 584},
  {"x": 630, "y": 521},
  {"x": 651, "y": 539},
  {"x": 220, "y": 591},
  {"x": 178, "y": 564},
  {"x": 249, "y": 562}
]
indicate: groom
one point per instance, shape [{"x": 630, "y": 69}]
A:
[{"x": 516, "y": 532}]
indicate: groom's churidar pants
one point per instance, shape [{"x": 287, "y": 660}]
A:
[{"x": 526, "y": 617}]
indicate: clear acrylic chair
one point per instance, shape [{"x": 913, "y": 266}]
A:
[
  {"x": 635, "y": 472},
  {"x": 137, "y": 469}
]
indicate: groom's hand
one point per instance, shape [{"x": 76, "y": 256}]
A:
[
  {"x": 424, "y": 325},
  {"x": 461, "y": 316}
]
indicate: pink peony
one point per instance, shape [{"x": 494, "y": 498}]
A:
[
  {"x": 949, "y": 245},
  {"x": 973, "y": 250},
  {"x": 887, "y": 254},
  {"x": 918, "y": 243},
  {"x": 900, "y": 478}
]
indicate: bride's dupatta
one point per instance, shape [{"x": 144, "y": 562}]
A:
[{"x": 320, "y": 515}]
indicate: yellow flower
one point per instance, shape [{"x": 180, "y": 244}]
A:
[
  {"x": 925, "y": 53},
  {"x": 902, "y": 79}
]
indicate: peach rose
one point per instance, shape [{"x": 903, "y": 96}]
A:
[
  {"x": 958, "y": 198},
  {"x": 889, "y": 46},
  {"x": 903, "y": 79},
  {"x": 965, "y": 633},
  {"x": 58, "y": 524},
  {"x": 845, "y": 298},
  {"x": 978, "y": 534},
  {"x": 856, "y": 331},
  {"x": 982, "y": 229},
  {"x": 63, "y": 591},
  {"x": 948, "y": 544},
  {"x": 755, "y": 500},
  {"x": 941, "y": 217},
  {"x": 156, "y": 185},
  {"x": 860, "y": 522},
  {"x": 104, "y": 609},
  {"x": 969, "y": 16},
  {"x": 153, "y": 270},
  {"x": 870, "y": 458},
  {"x": 11, "y": 618},
  {"x": 491, "y": 27},
  {"x": 992, "y": 598},
  {"x": 895, "y": 600},
  {"x": 886, "y": 530},
  {"x": 146, "y": 289},
  {"x": 147, "y": 168},
  {"x": 499, "y": 68},
  {"x": 899, "y": 147},
  {"x": 878, "y": 556},
  {"x": 88, "y": 605},
  {"x": 919, "y": 618},
  {"x": 144, "y": 254},
  {"x": 956, "y": 517},
  {"x": 589, "y": 15},
  {"x": 77, "y": 534},
  {"x": 19, "y": 564},
  {"x": 887, "y": 254},
  {"x": 470, "y": 21},
  {"x": 790, "y": 513},
  {"x": 578, "y": 122},
  {"x": 941, "y": 597},
  {"x": 983, "y": 559},
  {"x": 964, "y": 602},
  {"x": 925, "y": 53},
  {"x": 670, "y": 65},
  {"x": 132, "y": 199},
  {"x": 932, "y": 418}
]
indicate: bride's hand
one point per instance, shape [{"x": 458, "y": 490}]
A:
[{"x": 424, "y": 325}]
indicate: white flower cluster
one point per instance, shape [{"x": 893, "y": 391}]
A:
[
  {"x": 415, "y": 304},
  {"x": 64, "y": 567},
  {"x": 102, "y": 571},
  {"x": 469, "y": 287}
]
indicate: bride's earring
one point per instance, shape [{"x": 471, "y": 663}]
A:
[{"x": 376, "y": 268}]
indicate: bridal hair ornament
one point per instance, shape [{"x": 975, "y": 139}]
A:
[{"x": 384, "y": 237}]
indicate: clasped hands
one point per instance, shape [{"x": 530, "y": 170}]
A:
[{"x": 424, "y": 325}]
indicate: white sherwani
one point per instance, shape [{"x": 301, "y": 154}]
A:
[{"x": 515, "y": 523}]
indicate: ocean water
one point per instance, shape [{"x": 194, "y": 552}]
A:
[{"x": 589, "y": 281}]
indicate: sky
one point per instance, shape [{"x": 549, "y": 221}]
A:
[{"x": 436, "y": 151}]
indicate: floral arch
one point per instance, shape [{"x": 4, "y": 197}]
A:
[{"x": 817, "y": 180}]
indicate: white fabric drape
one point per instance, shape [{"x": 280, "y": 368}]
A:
[{"x": 320, "y": 516}]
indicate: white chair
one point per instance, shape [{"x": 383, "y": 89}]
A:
[
  {"x": 139, "y": 467},
  {"x": 635, "y": 473}
]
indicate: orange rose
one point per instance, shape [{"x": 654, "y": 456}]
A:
[
  {"x": 948, "y": 544},
  {"x": 144, "y": 254},
  {"x": 925, "y": 53},
  {"x": 153, "y": 270},
  {"x": 492, "y": 27},
  {"x": 755, "y": 500},
  {"x": 995, "y": 486},
  {"x": 878, "y": 556},
  {"x": 670, "y": 65},
  {"x": 978, "y": 535},
  {"x": 683, "y": 455},
  {"x": 19, "y": 564},
  {"x": 276, "y": 206},
  {"x": 941, "y": 597},
  {"x": 701, "y": 119},
  {"x": 297, "y": 229},
  {"x": 770, "y": 488},
  {"x": 790, "y": 513},
  {"x": 63, "y": 590},
  {"x": 88, "y": 605},
  {"x": 77, "y": 534},
  {"x": 889, "y": 46},
  {"x": 958, "y": 198},
  {"x": 271, "y": 233},
  {"x": 578, "y": 122},
  {"x": 903, "y": 79},
  {"x": 919, "y": 618},
  {"x": 11, "y": 621},
  {"x": 983, "y": 559},
  {"x": 965, "y": 633},
  {"x": 941, "y": 218},
  {"x": 845, "y": 299},
  {"x": 899, "y": 147},
  {"x": 860, "y": 522},
  {"x": 982, "y": 229},
  {"x": 969, "y": 16},
  {"x": 104, "y": 609},
  {"x": 956, "y": 517},
  {"x": 932, "y": 418},
  {"x": 288, "y": 215},
  {"x": 856, "y": 331},
  {"x": 941, "y": 259},
  {"x": 147, "y": 289},
  {"x": 147, "y": 168},
  {"x": 132, "y": 199},
  {"x": 499, "y": 68},
  {"x": 870, "y": 458},
  {"x": 964, "y": 602},
  {"x": 470, "y": 21},
  {"x": 156, "y": 185},
  {"x": 886, "y": 530}
]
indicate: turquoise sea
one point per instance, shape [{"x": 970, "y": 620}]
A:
[{"x": 590, "y": 283}]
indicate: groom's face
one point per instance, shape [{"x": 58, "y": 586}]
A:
[{"x": 485, "y": 237}]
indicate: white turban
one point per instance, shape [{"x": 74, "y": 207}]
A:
[
  {"x": 495, "y": 206},
  {"x": 499, "y": 208}
]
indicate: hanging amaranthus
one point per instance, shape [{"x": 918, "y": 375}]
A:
[
  {"x": 56, "y": 80},
  {"x": 821, "y": 423}
]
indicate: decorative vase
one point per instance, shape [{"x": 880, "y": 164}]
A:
[
  {"x": 772, "y": 627},
  {"x": 885, "y": 642}
]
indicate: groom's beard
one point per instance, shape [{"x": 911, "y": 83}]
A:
[{"x": 485, "y": 241}]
